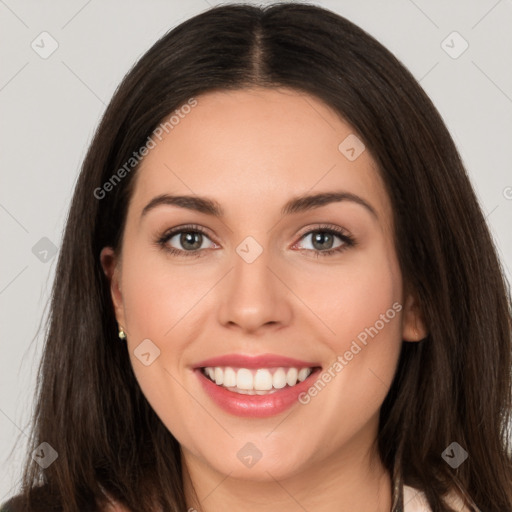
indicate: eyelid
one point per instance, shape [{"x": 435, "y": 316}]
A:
[
  {"x": 185, "y": 227},
  {"x": 327, "y": 227}
]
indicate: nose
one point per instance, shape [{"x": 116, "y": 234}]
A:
[{"x": 254, "y": 296}]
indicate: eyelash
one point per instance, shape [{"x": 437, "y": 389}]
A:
[{"x": 348, "y": 241}]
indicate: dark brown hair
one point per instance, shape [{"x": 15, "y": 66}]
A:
[{"x": 453, "y": 386}]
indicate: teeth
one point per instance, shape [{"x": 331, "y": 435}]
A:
[
  {"x": 219, "y": 376},
  {"x": 229, "y": 377},
  {"x": 291, "y": 376},
  {"x": 260, "y": 381},
  {"x": 303, "y": 374},
  {"x": 279, "y": 379},
  {"x": 263, "y": 380},
  {"x": 244, "y": 379}
]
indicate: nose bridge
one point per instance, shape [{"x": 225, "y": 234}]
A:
[
  {"x": 253, "y": 295},
  {"x": 251, "y": 265}
]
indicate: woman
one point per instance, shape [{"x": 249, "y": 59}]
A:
[{"x": 257, "y": 369}]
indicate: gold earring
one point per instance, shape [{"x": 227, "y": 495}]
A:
[{"x": 122, "y": 334}]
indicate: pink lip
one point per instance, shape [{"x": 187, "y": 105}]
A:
[
  {"x": 255, "y": 406},
  {"x": 261, "y": 361}
]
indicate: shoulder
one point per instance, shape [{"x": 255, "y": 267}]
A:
[{"x": 415, "y": 501}]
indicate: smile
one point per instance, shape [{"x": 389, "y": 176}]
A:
[{"x": 260, "y": 381}]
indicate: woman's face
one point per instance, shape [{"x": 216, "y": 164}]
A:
[{"x": 310, "y": 285}]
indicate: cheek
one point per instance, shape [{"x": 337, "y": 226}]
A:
[
  {"x": 353, "y": 298},
  {"x": 158, "y": 294},
  {"x": 366, "y": 304},
  {"x": 159, "y": 299},
  {"x": 364, "y": 312}
]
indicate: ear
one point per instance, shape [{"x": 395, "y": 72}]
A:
[
  {"x": 112, "y": 269},
  {"x": 413, "y": 323}
]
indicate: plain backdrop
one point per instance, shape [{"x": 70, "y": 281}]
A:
[{"x": 50, "y": 106}]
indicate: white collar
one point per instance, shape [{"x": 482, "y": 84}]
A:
[{"x": 415, "y": 501}]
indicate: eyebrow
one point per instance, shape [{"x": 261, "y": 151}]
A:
[{"x": 294, "y": 205}]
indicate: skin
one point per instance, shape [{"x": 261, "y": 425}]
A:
[{"x": 251, "y": 151}]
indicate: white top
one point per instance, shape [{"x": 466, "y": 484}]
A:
[{"x": 415, "y": 501}]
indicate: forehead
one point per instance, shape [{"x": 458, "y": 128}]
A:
[{"x": 252, "y": 147}]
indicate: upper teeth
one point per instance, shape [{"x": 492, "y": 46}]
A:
[{"x": 261, "y": 379}]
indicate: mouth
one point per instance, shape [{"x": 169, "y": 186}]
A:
[
  {"x": 260, "y": 381},
  {"x": 255, "y": 387}
]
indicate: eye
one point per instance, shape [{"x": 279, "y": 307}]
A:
[
  {"x": 323, "y": 240},
  {"x": 190, "y": 238}
]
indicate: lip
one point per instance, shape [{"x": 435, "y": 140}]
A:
[
  {"x": 255, "y": 406},
  {"x": 258, "y": 361}
]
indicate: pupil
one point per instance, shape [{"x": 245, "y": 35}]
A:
[
  {"x": 321, "y": 238},
  {"x": 187, "y": 238}
]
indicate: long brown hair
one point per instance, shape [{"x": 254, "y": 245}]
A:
[{"x": 453, "y": 386}]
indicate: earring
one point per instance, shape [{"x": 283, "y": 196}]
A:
[{"x": 122, "y": 334}]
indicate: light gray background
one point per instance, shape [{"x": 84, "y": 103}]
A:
[{"x": 50, "y": 107}]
